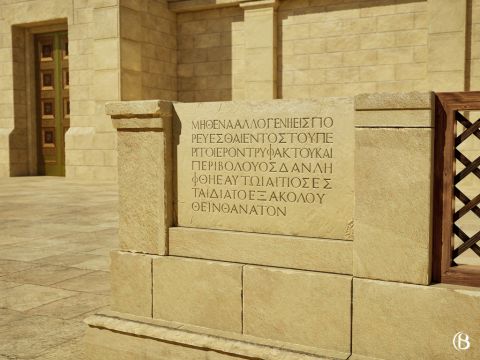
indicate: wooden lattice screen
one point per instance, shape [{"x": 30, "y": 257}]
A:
[{"x": 453, "y": 235}]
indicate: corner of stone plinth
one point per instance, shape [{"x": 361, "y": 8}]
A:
[
  {"x": 147, "y": 114},
  {"x": 251, "y": 5},
  {"x": 129, "y": 109}
]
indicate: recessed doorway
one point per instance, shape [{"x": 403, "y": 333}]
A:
[{"x": 53, "y": 101}]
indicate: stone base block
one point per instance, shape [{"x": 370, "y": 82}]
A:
[
  {"x": 117, "y": 336},
  {"x": 333, "y": 256},
  {"x": 198, "y": 292},
  {"x": 131, "y": 283},
  {"x": 401, "y": 321},
  {"x": 298, "y": 307},
  {"x": 393, "y": 204}
]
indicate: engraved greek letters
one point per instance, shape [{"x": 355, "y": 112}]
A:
[{"x": 261, "y": 166}]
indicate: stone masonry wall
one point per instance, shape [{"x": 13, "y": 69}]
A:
[
  {"x": 326, "y": 47},
  {"x": 133, "y": 56},
  {"x": 330, "y": 49},
  {"x": 90, "y": 147},
  {"x": 145, "y": 49},
  {"x": 148, "y": 50},
  {"x": 209, "y": 44}
]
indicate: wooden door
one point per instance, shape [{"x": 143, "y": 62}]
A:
[{"x": 53, "y": 110}]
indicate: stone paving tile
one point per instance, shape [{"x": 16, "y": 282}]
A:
[
  {"x": 75, "y": 246},
  {"x": 103, "y": 237},
  {"x": 52, "y": 241},
  {"x": 55, "y": 234},
  {"x": 11, "y": 266},
  {"x": 25, "y": 253},
  {"x": 8, "y": 316},
  {"x": 12, "y": 240},
  {"x": 26, "y": 296},
  {"x": 92, "y": 312},
  {"x": 97, "y": 262},
  {"x": 45, "y": 275},
  {"x": 38, "y": 230},
  {"x": 28, "y": 337},
  {"x": 108, "y": 234},
  {"x": 8, "y": 284},
  {"x": 65, "y": 259},
  {"x": 69, "y": 350},
  {"x": 101, "y": 251},
  {"x": 72, "y": 307},
  {"x": 97, "y": 282}
]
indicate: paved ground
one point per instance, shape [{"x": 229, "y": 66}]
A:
[{"x": 55, "y": 239}]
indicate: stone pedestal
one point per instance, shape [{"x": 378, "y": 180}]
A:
[
  {"x": 202, "y": 282},
  {"x": 204, "y": 271}
]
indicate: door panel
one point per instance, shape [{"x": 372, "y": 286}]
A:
[{"x": 53, "y": 110}]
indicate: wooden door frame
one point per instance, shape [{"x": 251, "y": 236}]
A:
[
  {"x": 29, "y": 33},
  {"x": 446, "y": 105}
]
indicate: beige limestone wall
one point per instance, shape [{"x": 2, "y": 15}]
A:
[
  {"x": 448, "y": 46},
  {"x": 260, "y": 17},
  {"x": 18, "y": 138},
  {"x": 210, "y": 55},
  {"x": 133, "y": 58},
  {"x": 331, "y": 47},
  {"x": 222, "y": 50},
  {"x": 6, "y": 98},
  {"x": 90, "y": 143},
  {"x": 148, "y": 50},
  {"x": 341, "y": 48},
  {"x": 328, "y": 48}
]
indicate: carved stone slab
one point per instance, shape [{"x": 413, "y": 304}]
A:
[{"x": 277, "y": 167}]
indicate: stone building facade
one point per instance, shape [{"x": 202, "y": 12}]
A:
[
  {"x": 352, "y": 269},
  {"x": 217, "y": 50}
]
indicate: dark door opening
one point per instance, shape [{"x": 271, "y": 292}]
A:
[{"x": 53, "y": 103}]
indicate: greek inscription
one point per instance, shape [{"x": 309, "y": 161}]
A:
[{"x": 261, "y": 166}]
